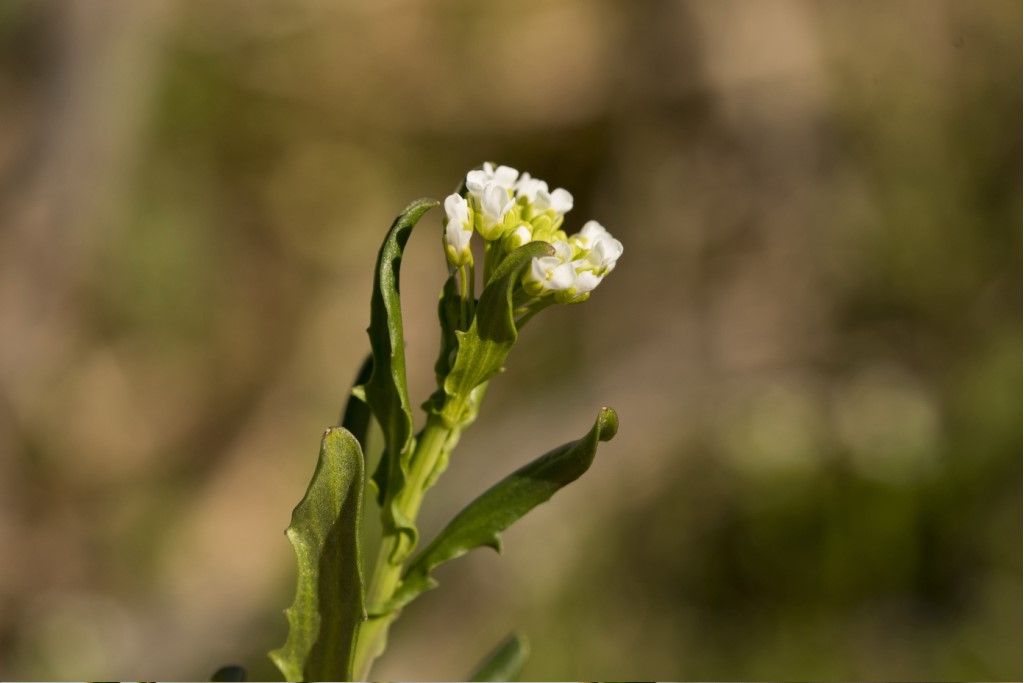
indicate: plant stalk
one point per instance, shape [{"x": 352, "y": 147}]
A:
[{"x": 386, "y": 575}]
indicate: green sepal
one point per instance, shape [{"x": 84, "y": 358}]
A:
[
  {"x": 481, "y": 522},
  {"x": 329, "y": 605},
  {"x": 542, "y": 226},
  {"x": 506, "y": 662},
  {"x": 386, "y": 391},
  {"x": 482, "y": 348}
]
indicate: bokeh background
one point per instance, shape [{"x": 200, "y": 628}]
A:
[{"x": 813, "y": 339}]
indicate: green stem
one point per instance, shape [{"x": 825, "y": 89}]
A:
[
  {"x": 492, "y": 252},
  {"x": 386, "y": 575},
  {"x": 432, "y": 446}
]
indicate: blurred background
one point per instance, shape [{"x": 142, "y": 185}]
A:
[{"x": 813, "y": 339}]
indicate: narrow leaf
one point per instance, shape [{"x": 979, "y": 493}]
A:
[
  {"x": 324, "y": 532},
  {"x": 481, "y": 522},
  {"x": 484, "y": 347},
  {"x": 356, "y": 415},
  {"x": 448, "y": 315},
  {"x": 506, "y": 662},
  {"x": 386, "y": 391}
]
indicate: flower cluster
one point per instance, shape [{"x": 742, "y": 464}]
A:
[{"x": 508, "y": 210}]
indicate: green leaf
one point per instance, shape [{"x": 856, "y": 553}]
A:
[
  {"x": 324, "y": 532},
  {"x": 356, "y": 416},
  {"x": 484, "y": 347},
  {"x": 231, "y": 672},
  {"x": 386, "y": 391},
  {"x": 481, "y": 522},
  {"x": 449, "y": 313},
  {"x": 506, "y": 662}
]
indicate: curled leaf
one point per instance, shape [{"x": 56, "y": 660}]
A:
[
  {"x": 356, "y": 416},
  {"x": 387, "y": 392}
]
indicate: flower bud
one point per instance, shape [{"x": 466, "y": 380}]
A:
[
  {"x": 495, "y": 204},
  {"x": 518, "y": 237},
  {"x": 458, "y": 230}
]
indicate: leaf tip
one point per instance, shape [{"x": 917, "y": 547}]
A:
[
  {"x": 494, "y": 542},
  {"x": 607, "y": 424},
  {"x": 541, "y": 248},
  {"x": 522, "y": 642}
]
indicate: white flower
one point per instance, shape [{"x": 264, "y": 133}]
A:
[
  {"x": 601, "y": 250},
  {"x": 458, "y": 230},
  {"x": 456, "y": 210},
  {"x": 495, "y": 203},
  {"x": 563, "y": 250},
  {"x": 528, "y": 187},
  {"x": 551, "y": 273},
  {"x": 548, "y": 274},
  {"x": 605, "y": 254},
  {"x": 591, "y": 230},
  {"x": 586, "y": 280},
  {"x": 518, "y": 237},
  {"x": 559, "y": 200},
  {"x": 503, "y": 176}
]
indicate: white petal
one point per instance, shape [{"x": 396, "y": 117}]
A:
[
  {"x": 563, "y": 251},
  {"x": 505, "y": 176},
  {"x": 614, "y": 248},
  {"x": 530, "y": 187},
  {"x": 457, "y": 237},
  {"x": 591, "y": 231},
  {"x": 541, "y": 198},
  {"x": 495, "y": 202},
  {"x": 561, "y": 277},
  {"x": 540, "y": 266},
  {"x": 586, "y": 281},
  {"x": 456, "y": 209},
  {"x": 561, "y": 200},
  {"x": 606, "y": 252},
  {"x": 476, "y": 181}
]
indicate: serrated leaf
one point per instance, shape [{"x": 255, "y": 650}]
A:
[
  {"x": 386, "y": 391},
  {"x": 483, "y": 348},
  {"x": 481, "y": 522},
  {"x": 324, "y": 532},
  {"x": 506, "y": 662}
]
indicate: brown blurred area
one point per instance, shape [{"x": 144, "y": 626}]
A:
[{"x": 813, "y": 339}]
